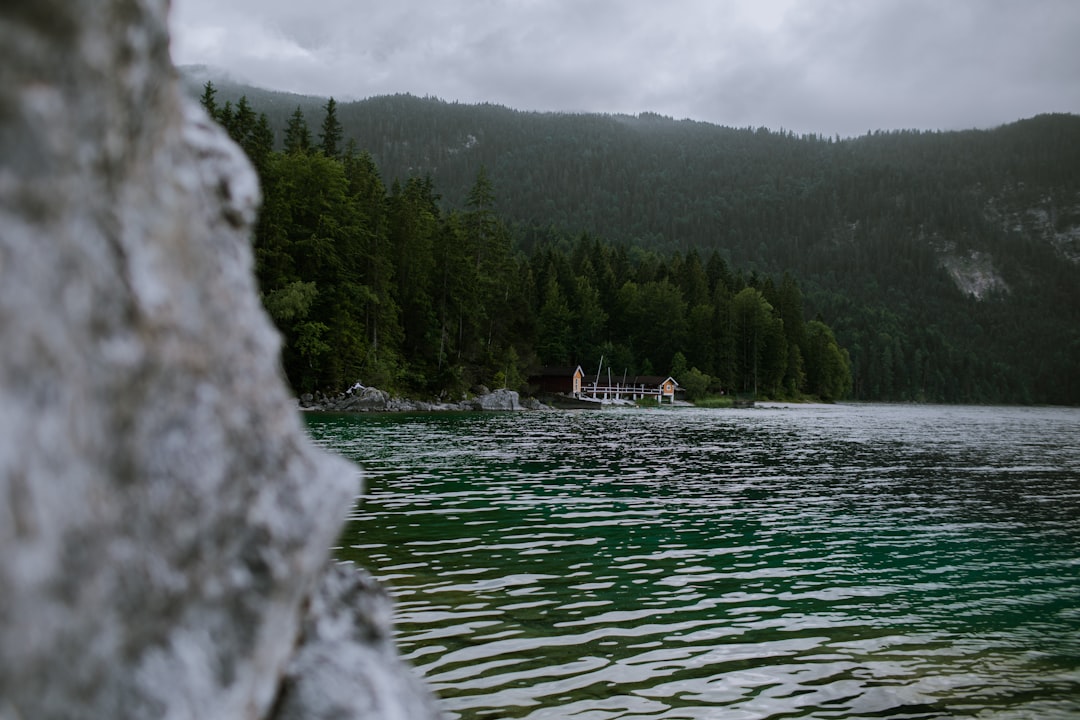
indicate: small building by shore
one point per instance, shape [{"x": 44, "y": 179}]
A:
[
  {"x": 572, "y": 382},
  {"x": 562, "y": 380}
]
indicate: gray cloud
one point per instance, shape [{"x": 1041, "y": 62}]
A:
[{"x": 831, "y": 66}]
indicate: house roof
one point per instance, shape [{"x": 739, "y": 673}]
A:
[
  {"x": 556, "y": 371},
  {"x": 649, "y": 380}
]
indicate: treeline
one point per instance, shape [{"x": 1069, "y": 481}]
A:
[
  {"x": 868, "y": 224},
  {"x": 384, "y": 285}
]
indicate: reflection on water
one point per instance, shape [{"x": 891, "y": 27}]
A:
[{"x": 820, "y": 561}]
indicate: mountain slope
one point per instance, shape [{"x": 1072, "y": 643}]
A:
[{"x": 948, "y": 263}]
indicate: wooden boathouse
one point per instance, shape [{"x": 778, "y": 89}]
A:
[
  {"x": 559, "y": 380},
  {"x": 634, "y": 388},
  {"x": 571, "y": 382}
]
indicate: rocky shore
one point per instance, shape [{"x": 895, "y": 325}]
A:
[{"x": 359, "y": 398}]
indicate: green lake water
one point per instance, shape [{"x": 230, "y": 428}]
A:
[{"x": 848, "y": 561}]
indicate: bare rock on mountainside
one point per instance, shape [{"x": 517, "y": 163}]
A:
[{"x": 164, "y": 522}]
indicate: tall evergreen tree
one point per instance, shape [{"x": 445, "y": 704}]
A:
[
  {"x": 488, "y": 241},
  {"x": 207, "y": 100},
  {"x": 226, "y": 117},
  {"x": 297, "y": 135},
  {"x": 259, "y": 143},
  {"x": 331, "y": 136},
  {"x": 413, "y": 219},
  {"x": 244, "y": 121},
  {"x": 553, "y": 326},
  {"x": 752, "y": 322}
]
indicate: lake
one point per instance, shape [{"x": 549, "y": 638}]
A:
[{"x": 825, "y": 561}]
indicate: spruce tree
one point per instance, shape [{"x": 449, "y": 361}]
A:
[
  {"x": 331, "y": 135},
  {"x": 297, "y": 135},
  {"x": 259, "y": 143},
  {"x": 207, "y": 100},
  {"x": 243, "y": 123}
]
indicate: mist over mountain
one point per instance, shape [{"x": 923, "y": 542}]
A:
[{"x": 948, "y": 263}]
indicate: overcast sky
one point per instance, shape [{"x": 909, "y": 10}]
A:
[{"x": 822, "y": 66}]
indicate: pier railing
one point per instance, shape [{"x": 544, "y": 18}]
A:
[{"x": 623, "y": 392}]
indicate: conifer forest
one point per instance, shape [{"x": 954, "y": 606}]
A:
[{"x": 426, "y": 247}]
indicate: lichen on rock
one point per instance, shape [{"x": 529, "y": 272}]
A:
[{"x": 163, "y": 518}]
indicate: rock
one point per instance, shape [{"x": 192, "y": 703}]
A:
[
  {"x": 372, "y": 399},
  {"x": 398, "y": 404},
  {"x": 501, "y": 399},
  {"x": 163, "y": 517},
  {"x": 367, "y": 399},
  {"x": 346, "y": 665},
  {"x": 533, "y": 404}
]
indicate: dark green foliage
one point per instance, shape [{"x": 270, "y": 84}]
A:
[
  {"x": 297, "y": 135},
  {"x": 208, "y": 99},
  {"x": 828, "y": 371},
  {"x": 695, "y": 383},
  {"x": 249, "y": 131},
  {"x": 864, "y": 223},
  {"x": 331, "y": 136},
  {"x": 387, "y": 288}
]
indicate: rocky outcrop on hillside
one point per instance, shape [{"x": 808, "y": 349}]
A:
[
  {"x": 1056, "y": 222},
  {"x": 164, "y": 521},
  {"x": 974, "y": 274}
]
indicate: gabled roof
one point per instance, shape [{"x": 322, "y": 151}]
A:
[
  {"x": 649, "y": 380},
  {"x": 557, "y": 371}
]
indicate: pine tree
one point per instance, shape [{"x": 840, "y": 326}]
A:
[
  {"x": 260, "y": 143},
  {"x": 331, "y": 135},
  {"x": 488, "y": 242},
  {"x": 226, "y": 117},
  {"x": 207, "y": 100},
  {"x": 297, "y": 135},
  {"x": 243, "y": 123}
]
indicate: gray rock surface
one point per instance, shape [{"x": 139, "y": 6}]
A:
[
  {"x": 370, "y": 399},
  {"x": 163, "y": 518},
  {"x": 534, "y": 404},
  {"x": 501, "y": 399},
  {"x": 345, "y": 637}
]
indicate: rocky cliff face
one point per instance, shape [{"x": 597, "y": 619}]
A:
[{"x": 164, "y": 523}]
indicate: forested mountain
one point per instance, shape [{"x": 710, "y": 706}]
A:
[{"x": 947, "y": 263}]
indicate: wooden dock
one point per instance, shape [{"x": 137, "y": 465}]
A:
[{"x": 634, "y": 393}]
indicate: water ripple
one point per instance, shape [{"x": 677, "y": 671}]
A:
[{"x": 821, "y": 561}]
